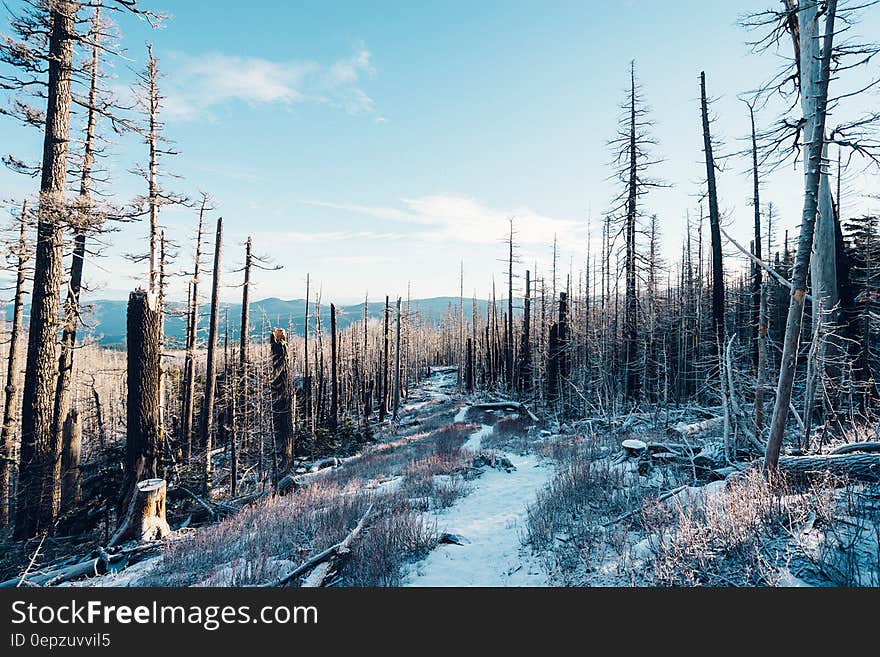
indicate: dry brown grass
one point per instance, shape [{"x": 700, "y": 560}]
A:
[
  {"x": 752, "y": 533},
  {"x": 564, "y": 522},
  {"x": 264, "y": 541}
]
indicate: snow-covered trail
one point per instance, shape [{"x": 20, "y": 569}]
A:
[{"x": 490, "y": 519}]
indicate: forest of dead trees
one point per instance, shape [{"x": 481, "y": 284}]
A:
[{"x": 778, "y": 338}]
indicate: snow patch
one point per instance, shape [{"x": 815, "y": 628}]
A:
[
  {"x": 492, "y": 518},
  {"x": 475, "y": 442}
]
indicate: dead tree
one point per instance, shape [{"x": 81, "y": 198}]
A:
[
  {"x": 244, "y": 336},
  {"x": 508, "y": 332},
  {"x": 10, "y": 404},
  {"x": 334, "y": 373},
  {"x": 757, "y": 271},
  {"x": 794, "y": 321},
  {"x": 232, "y": 418},
  {"x": 525, "y": 349},
  {"x": 142, "y": 447},
  {"x": 557, "y": 353},
  {"x": 38, "y": 490},
  {"x": 84, "y": 219},
  {"x": 823, "y": 263},
  {"x": 192, "y": 333},
  {"x": 383, "y": 393},
  {"x": 211, "y": 372},
  {"x": 714, "y": 224},
  {"x": 397, "y": 364},
  {"x": 631, "y": 161},
  {"x": 282, "y": 400},
  {"x": 307, "y": 380},
  {"x": 761, "y": 381}
]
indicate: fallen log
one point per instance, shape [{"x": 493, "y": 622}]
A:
[
  {"x": 856, "y": 447},
  {"x": 862, "y": 467},
  {"x": 330, "y": 554},
  {"x": 512, "y": 406},
  {"x": 91, "y": 567},
  {"x": 693, "y": 428}
]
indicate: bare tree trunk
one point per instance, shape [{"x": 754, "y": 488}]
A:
[
  {"x": 383, "y": 394},
  {"x": 823, "y": 264},
  {"x": 192, "y": 333},
  {"x": 211, "y": 373},
  {"x": 282, "y": 401},
  {"x": 334, "y": 380},
  {"x": 232, "y": 410},
  {"x": 152, "y": 173},
  {"x": 397, "y": 364},
  {"x": 244, "y": 337},
  {"x": 631, "y": 348},
  {"x": 762, "y": 364},
  {"x": 40, "y": 465},
  {"x": 714, "y": 225},
  {"x": 71, "y": 304},
  {"x": 163, "y": 438},
  {"x": 10, "y": 405},
  {"x": 142, "y": 447},
  {"x": 757, "y": 278},
  {"x": 307, "y": 381},
  {"x": 508, "y": 338},
  {"x": 525, "y": 350},
  {"x": 813, "y": 172}
]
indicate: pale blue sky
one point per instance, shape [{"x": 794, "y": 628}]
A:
[{"x": 372, "y": 144}]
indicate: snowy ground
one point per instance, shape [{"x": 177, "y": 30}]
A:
[{"x": 490, "y": 520}]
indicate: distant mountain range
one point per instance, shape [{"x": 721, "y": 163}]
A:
[{"x": 106, "y": 318}]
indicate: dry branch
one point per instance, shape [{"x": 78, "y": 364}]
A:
[{"x": 330, "y": 554}]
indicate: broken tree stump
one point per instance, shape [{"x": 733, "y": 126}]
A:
[
  {"x": 634, "y": 447},
  {"x": 145, "y": 518},
  {"x": 70, "y": 453}
]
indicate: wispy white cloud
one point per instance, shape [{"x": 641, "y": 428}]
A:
[
  {"x": 200, "y": 82},
  {"x": 463, "y": 219},
  {"x": 304, "y": 237},
  {"x": 357, "y": 260}
]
